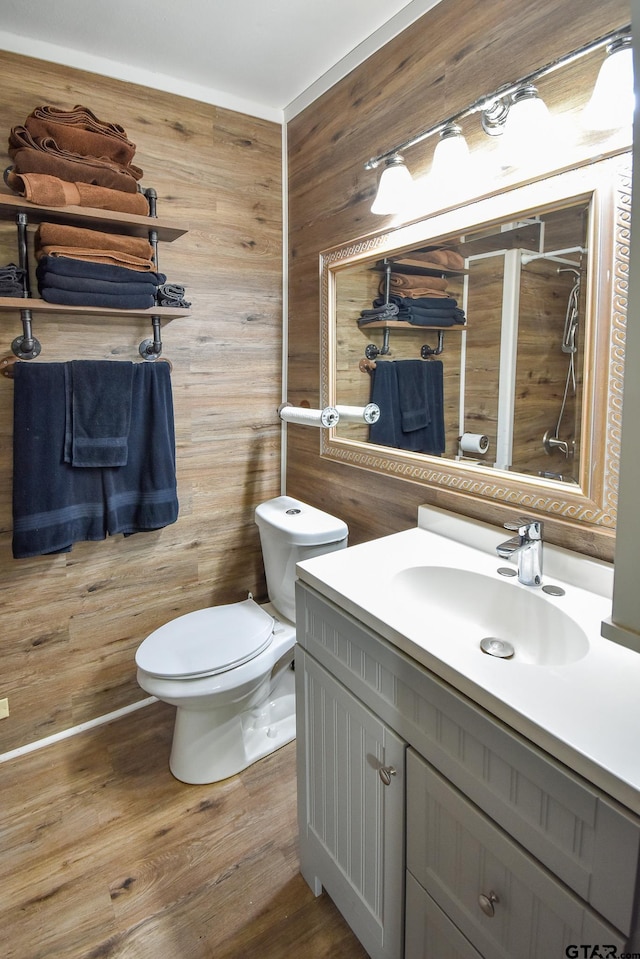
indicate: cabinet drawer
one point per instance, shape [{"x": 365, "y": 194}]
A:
[
  {"x": 458, "y": 855},
  {"x": 584, "y": 838},
  {"x": 429, "y": 934}
]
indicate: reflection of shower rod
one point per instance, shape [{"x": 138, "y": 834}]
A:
[{"x": 556, "y": 255}]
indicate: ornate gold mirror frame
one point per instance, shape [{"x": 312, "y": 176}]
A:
[{"x": 592, "y": 501}]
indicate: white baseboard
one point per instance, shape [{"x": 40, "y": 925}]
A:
[{"x": 74, "y": 730}]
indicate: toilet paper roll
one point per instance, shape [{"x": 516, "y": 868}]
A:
[
  {"x": 474, "y": 443},
  {"x": 293, "y": 414},
  {"x": 359, "y": 414}
]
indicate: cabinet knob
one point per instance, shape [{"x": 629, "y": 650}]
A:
[
  {"x": 486, "y": 903},
  {"x": 385, "y": 773}
]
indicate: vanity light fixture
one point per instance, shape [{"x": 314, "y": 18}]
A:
[
  {"x": 612, "y": 101},
  {"x": 499, "y": 112},
  {"x": 394, "y": 188}
]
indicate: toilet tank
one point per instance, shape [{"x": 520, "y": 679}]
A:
[{"x": 291, "y": 531}]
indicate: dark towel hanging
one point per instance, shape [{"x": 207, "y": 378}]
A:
[
  {"x": 399, "y": 388},
  {"x": 89, "y": 503}
]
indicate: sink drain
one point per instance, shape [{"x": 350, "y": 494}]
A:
[{"x": 496, "y": 647}]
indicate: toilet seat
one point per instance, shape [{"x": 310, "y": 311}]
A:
[{"x": 206, "y": 642}]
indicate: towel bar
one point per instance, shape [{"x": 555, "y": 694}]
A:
[{"x": 372, "y": 351}]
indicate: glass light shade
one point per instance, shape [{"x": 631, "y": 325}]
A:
[
  {"x": 394, "y": 189},
  {"x": 527, "y": 128},
  {"x": 612, "y": 101},
  {"x": 451, "y": 155}
]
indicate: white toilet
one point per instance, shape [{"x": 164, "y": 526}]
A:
[{"x": 228, "y": 669}]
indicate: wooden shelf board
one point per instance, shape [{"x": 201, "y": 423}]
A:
[
  {"x": 13, "y": 304},
  {"x": 108, "y": 221},
  {"x": 405, "y": 325}
]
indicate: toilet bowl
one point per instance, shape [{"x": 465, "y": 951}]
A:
[{"x": 228, "y": 669}]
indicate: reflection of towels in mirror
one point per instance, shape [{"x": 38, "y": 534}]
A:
[
  {"x": 411, "y": 285},
  {"x": 411, "y": 400}
]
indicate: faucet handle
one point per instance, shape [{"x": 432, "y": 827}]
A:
[{"x": 526, "y": 526}]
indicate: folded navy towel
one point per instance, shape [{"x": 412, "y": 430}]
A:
[
  {"x": 76, "y": 504},
  {"x": 433, "y": 317},
  {"x": 110, "y": 301},
  {"x": 69, "y": 266},
  {"x": 79, "y": 284},
  {"x": 420, "y": 302},
  {"x": 98, "y": 412}
]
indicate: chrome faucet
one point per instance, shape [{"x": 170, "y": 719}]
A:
[{"x": 527, "y": 546}]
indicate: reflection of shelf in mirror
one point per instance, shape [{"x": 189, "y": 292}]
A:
[
  {"x": 405, "y": 325},
  {"x": 418, "y": 268}
]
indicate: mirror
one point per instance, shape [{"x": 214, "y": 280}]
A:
[{"x": 491, "y": 336}]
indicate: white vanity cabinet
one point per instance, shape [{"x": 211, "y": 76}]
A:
[{"x": 499, "y": 851}]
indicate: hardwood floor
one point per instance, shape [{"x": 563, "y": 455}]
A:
[{"x": 106, "y": 856}]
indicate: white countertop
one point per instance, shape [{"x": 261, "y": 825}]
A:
[{"x": 585, "y": 713}]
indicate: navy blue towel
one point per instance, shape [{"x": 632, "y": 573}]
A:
[
  {"x": 410, "y": 394},
  {"x": 98, "y": 412},
  {"x": 384, "y": 393},
  {"x": 77, "y": 504},
  {"x": 86, "y": 269},
  {"x": 58, "y": 281},
  {"x": 110, "y": 301}
]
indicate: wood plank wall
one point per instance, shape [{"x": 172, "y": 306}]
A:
[
  {"x": 440, "y": 64},
  {"x": 71, "y": 623}
]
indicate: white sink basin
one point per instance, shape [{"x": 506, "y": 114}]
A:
[{"x": 465, "y": 607}]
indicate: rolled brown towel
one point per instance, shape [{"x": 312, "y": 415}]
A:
[
  {"x": 46, "y": 190},
  {"x": 80, "y": 131}
]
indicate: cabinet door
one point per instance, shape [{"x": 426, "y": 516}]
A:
[
  {"x": 351, "y": 808},
  {"x": 498, "y": 896},
  {"x": 429, "y": 934}
]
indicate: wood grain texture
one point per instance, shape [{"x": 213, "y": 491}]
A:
[
  {"x": 72, "y": 622},
  {"x": 437, "y": 66},
  {"x": 107, "y": 856}
]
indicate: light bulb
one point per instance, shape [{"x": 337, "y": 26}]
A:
[
  {"x": 451, "y": 155},
  {"x": 526, "y": 129},
  {"x": 395, "y": 187},
  {"x": 612, "y": 101}
]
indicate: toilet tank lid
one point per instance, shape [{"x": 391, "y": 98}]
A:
[
  {"x": 303, "y": 525},
  {"x": 206, "y": 641}
]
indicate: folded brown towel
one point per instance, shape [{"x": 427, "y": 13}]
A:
[
  {"x": 78, "y": 169},
  {"x": 408, "y": 281},
  {"x": 420, "y": 291},
  {"x": 441, "y": 257},
  {"x": 80, "y": 131},
  {"x": 59, "y": 234},
  {"x": 46, "y": 190},
  {"x": 111, "y": 257}
]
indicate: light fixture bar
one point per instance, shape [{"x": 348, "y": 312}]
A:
[{"x": 487, "y": 101}]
